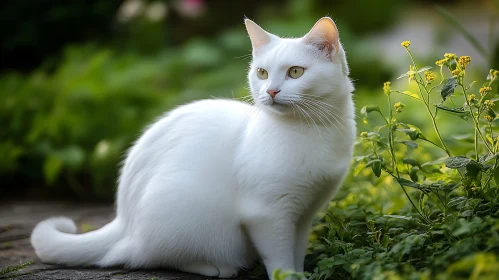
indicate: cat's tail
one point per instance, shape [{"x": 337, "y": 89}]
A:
[{"x": 55, "y": 241}]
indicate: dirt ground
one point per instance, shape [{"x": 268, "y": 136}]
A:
[{"x": 17, "y": 220}]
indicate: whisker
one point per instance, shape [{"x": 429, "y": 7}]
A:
[
  {"x": 304, "y": 116},
  {"x": 317, "y": 110},
  {"x": 328, "y": 110},
  {"x": 311, "y": 119}
]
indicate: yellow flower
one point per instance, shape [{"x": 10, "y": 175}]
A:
[
  {"x": 429, "y": 76},
  {"x": 441, "y": 62},
  {"x": 363, "y": 134},
  {"x": 495, "y": 73},
  {"x": 489, "y": 104},
  {"x": 450, "y": 56},
  {"x": 464, "y": 61},
  {"x": 471, "y": 98},
  {"x": 456, "y": 72},
  {"x": 386, "y": 87},
  {"x": 399, "y": 106},
  {"x": 412, "y": 72},
  {"x": 488, "y": 118},
  {"x": 405, "y": 44},
  {"x": 484, "y": 90}
]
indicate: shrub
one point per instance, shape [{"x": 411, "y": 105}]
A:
[{"x": 428, "y": 209}]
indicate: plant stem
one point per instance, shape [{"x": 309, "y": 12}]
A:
[
  {"x": 427, "y": 105},
  {"x": 410, "y": 199},
  {"x": 476, "y": 145},
  {"x": 475, "y": 121},
  {"x": 390, "y": 135},
  {"x": 492, "y": 171}
]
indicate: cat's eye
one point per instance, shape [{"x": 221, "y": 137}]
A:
[
  {"x": 262, "y": 73},
  {"x": 295, "y": 72}
]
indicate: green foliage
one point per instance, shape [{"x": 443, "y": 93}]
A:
[
  {"x": 9, "y": 271},
  {"x": 413, "y": 208},
  {"x": 67, "y": 125},
  {"x": 69, "y": 129},
  {"x": 418, "y": 204},
  {"x": 278, "y": 274}
]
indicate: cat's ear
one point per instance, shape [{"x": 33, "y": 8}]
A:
[
  {"x": 258, "y": 36},
  {"x": 324, "y": 35}
]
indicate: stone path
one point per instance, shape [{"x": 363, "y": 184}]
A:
[{"x": 17, "y": 219}]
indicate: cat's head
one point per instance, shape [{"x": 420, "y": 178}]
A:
[{"x": 299, "y": 76}]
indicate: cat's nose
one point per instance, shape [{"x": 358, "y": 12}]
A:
[{"x": 273, "y": 92}]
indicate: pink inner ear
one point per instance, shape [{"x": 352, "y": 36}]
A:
[
  {"x": 258, "y": 36},
  {"x": 324, "y": 35}
]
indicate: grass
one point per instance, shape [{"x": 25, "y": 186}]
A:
[{"x": 9, "y": 272}]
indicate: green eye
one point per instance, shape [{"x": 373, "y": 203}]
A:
[
  {"x": 262, "y": 73},
  {"x": 295, "y": 72}
]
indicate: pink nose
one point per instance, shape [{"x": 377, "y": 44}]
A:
[{"x": 273, "y": 92}]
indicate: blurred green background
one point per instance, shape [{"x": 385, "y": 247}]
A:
[{"x": 80, "y": 79}]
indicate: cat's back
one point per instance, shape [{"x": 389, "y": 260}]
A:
[
  {"x": 184, "y": 141},
  {"x": 201, "y": 127},
  {"x": 201, "y": 120}
]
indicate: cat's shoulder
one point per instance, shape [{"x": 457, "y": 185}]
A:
[{"x": 211, "y": 107}]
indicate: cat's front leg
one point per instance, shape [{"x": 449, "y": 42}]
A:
[
  {"x": 301, "y": 243},
  {"x": 274, "y": 239}
]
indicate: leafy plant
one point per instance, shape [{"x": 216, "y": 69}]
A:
[
  {"x": 9, "y": 271},
  {"x": 448, "y": 229}
]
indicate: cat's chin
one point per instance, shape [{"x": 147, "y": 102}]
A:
[{"x": 278, "y": 109}]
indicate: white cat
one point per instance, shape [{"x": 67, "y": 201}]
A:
[{"x": 216, "y": 184}]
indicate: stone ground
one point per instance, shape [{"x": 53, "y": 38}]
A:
[{"x": 17, "y": 220}]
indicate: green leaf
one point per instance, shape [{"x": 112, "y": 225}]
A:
[
  {"x": 459, "y": 110},
  {"x": 410, "y": 94},
  {"x": 435, "y": 162},
  {"x": 368, "y": 109},
  {"x": 457, "y": 162},
  {"x": 456, "y": 200},
  {"x": 424, "y": 69},
  {"x": 473, "y": 168},
  {"x": 466, "y": 213},
  {"x": 409, "y": 143},
  {"x": 408, "y": 73},
  {"x": 496, "y": 176},
  {"x": 51, "y": 169},
  {"x": 488, "y": 157},
  {"x": 492, "y": 113},
  {"x": 412, "y": 133},
  {"x": 414, "y": 174},
  {"x": 448, "y": 87},
  {"x": 468, "y": 137},
  {"x": 72, "y": 156},
  {"x": 376, "y": 166},
  {"x": 399, "y": 217},
  {"x": 411, "y": 161},
  {"x": 460, "y": 162},
  {"x": 359, "y": 168},
  {"x": 407, "y": 183}
]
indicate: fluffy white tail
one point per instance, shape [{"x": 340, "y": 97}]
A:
[{"x": 55, "y": 241}]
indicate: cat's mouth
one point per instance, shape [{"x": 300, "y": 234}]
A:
[
  {"x": 275, "y": 103},
  {"x": 279, "y": 107}
]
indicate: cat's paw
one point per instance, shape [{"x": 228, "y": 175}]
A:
[
  {"x": 227, "y": 272},
  {"x": 201, "y": 269},
  {"x": 211, "y": 270}
]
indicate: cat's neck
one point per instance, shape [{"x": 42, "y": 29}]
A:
[
  {"x": 328, "y": 120},
  {"x": 343, "y": 125}
]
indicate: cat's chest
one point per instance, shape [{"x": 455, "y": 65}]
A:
[{"x": 290, "y": 158}]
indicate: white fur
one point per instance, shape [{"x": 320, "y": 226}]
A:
[{"x": 216, "y": 184}]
